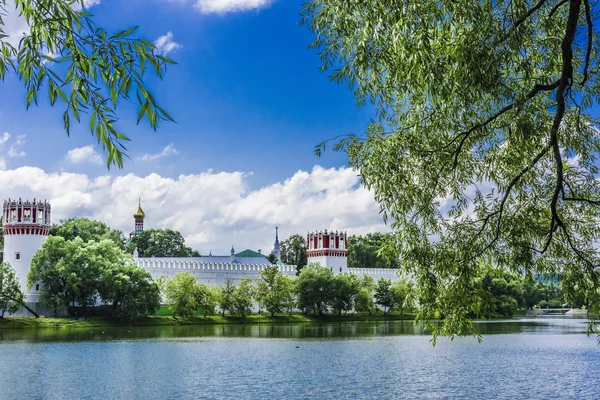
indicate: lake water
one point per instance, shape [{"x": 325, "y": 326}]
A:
[{"x": 538, "y": 358}]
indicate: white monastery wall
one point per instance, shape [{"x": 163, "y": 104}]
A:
[
  {"x": 215, "y": 273},
  {"x": 26, "y": 226}
]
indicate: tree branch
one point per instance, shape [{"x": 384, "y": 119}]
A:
[
  {"x": 556, "y": 7},
  {"x": 520, "y": 22},
  {"x": 509, "y": 188},
  {"x": 590, "y": 28},
  {"x": 536, "y": 89}
]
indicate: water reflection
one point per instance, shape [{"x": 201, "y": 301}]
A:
[
  {"x": 283, "y": 331},
  {"x": 529, "y": 358}
]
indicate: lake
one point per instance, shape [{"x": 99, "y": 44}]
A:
[{"x": 536, "y": 358}]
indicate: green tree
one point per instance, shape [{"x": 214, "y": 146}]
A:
[
  {"x": 367, "y": 282},
  {"x": 226, "y": 298},
  {"x": 293, "y": 251},
  {"x": 364, "y": 251},
  {"x": 71, "y": 270},
  {"x": 272, "y": 290},
  {"x": 364, "y": 301},
  {"x": 501, "y": 291},
  {"x": 483, "y": 143},
  {"x": 344, "y": 292},
  {"x": 87, "y": 230},
  {"x": 129, "y": 290},
  {"x": 551, "y": 295},
  {"x": 85, "y": 266},
  {"x": 183, "y": 295},
  {"x": 242, "y": 298},
  {"x": 49, "y": 267},
  {"x": 11, "y": 295},
  {"x": 288, "y": 287},
  {"x": 161, "y": 243},
  {"x": 531, "y": 292},
  {"x": 207, "y": 298},
  {"x": 314, "y": 288},
  {"x": 272, "y": 258},
  {"x": 383, "y": 295},
  {"x": 402, "y": 295},
  {"x": 65, "y": 54}
]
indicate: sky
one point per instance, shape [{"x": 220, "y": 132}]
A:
[{"x": 250, "y": 105}]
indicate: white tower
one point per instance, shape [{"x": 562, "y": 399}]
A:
[
  {"x": 328, "y": 249},
  {"x": 26, "y": 226}
]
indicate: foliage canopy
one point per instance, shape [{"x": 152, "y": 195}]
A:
[
  {"x": 293, "y": 251},
  {"x": 483, "y": 146},
  {"x": 87, "y": 230},
  {"x": 11, "y": 295},
  {"x": 77, "y": 272},
  {"x": 364, "y": 251},
  {"x": 161, "y": 243},
  {"x": 78, "y": 63}
]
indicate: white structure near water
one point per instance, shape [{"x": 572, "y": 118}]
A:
[
  {"x": 26, "y": 227},
  {"x": 326, "y": 248}
]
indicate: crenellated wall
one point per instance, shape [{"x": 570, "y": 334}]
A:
[
  {"x": 218, "y": 273},
  {"x": 215, "y": 273},
  {"x": 376, "y": 273}
]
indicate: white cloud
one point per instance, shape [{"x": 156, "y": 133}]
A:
[
  {"x": 4, "y": 138},
  {"x": 14, "y": 151},
  {"x": 169, "y": 150},
  {"x": 85, "y": 154},
  {"x": 91, "y": 3},
  {"x": 212, "y": 210},
  {"x": 15, "y": 26},
  {"x": 225, "y": 6},
  {"x": 165, "y": 44}
]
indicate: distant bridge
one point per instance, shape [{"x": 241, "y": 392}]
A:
[{"x": 557, "y": 311}]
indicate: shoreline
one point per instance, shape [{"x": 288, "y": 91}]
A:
[{"x": 255, "y": 319}]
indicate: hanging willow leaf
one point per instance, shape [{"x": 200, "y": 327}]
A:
[
  {"x": 65, "y": 53},
  {"x": 484, "y": 147}
]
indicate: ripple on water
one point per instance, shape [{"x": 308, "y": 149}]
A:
[{"x": 537, "y": 360}]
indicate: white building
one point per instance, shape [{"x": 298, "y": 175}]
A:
[
  {"x": 27, "y": 224},
  {"x": 26, "y": 227},
  {"x": 326, "y": 248}
]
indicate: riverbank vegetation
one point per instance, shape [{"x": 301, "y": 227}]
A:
[
  {"x": 97, "y": 278},
  {"x": 197, "y": 319}
]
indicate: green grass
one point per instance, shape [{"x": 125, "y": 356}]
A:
[{"x": 167, "y": 320}]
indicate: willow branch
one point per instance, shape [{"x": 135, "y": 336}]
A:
[
  {"x": 590, "y": 28},
  {"x": 556, "y": 7}
]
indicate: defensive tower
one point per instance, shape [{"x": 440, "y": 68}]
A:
[
  {"x": 26, "y": 226},
  {"x": 328, "y": 249}
]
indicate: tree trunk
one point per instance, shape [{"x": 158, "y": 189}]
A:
[
  {"x": 22, "y": 303},
  {"x": 29, "y": 309}
]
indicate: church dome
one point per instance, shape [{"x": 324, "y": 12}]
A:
[{"x": 139, "y": 213}]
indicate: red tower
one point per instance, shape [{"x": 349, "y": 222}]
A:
[{"x": 328, "y": 249}]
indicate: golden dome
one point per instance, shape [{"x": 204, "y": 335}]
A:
[{"x": 139, "y": 213}]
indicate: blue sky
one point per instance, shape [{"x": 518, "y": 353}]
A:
[
  {"x": 246, "y": 95},
  {"x": 250, "y": 106}
]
